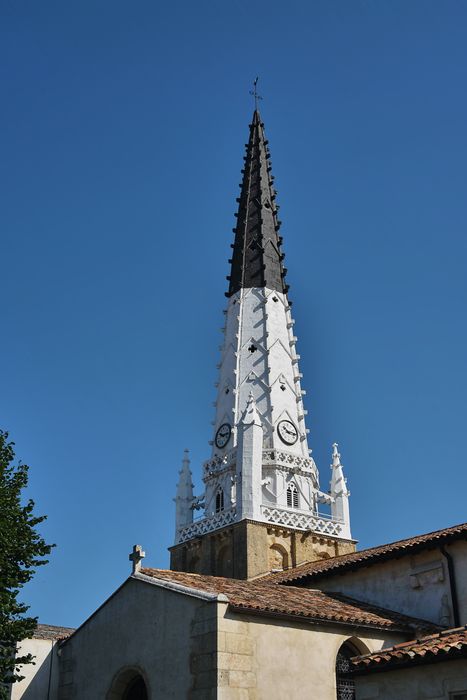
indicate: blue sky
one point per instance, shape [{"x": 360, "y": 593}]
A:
[{"x": 123, "y": 126}]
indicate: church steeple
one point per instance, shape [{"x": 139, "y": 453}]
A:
[
  {"x": 261, "y": 484},
  {"x": 257, "y": 258}
]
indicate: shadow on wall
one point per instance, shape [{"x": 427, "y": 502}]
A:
[{"x": 40, "y": 685}]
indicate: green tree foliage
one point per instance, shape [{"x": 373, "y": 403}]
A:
[{"x": 22, "y": 549}]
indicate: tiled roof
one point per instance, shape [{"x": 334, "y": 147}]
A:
[
  {"x": 266, "y": 598},
  {"x": 366, "y": 557},
  {"x": 446, "y": 645},
  {"x": 52, "y": 632}
]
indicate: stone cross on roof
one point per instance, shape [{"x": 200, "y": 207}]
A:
[{"x": 136, "y": 557}]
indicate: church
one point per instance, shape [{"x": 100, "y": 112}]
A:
[{"x": 267, "y": 596}]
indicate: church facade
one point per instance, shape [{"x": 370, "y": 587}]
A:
[{"x": 266, "y": 596}]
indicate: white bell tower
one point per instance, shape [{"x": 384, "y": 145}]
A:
[{"x": 261, "y": 468}]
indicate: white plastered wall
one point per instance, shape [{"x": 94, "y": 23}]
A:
[
  {"x": 439, "y": 681},
  {"x": 142, "y": 626},
  {"x": 276, "y": 659},
  {"x": 41, "y": 676},
  {"x": 458, "y": 551},
  {"x": 416, "y": 585}
]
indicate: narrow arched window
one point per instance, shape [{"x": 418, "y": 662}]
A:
[
  {"x": 345, "y": 685},
  {"x": 219, "y": 500},
  {"x": 292, "y": 495}
]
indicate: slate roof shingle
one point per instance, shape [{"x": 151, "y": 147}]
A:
[
  {"x": 366, "y": 557},
  {"x": 263, "y": 597},
  {"x": 445, "y": 645}
]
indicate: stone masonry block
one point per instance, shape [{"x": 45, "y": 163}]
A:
[
  {"x": 235, "y": 662},
  {"x": 204, "y": 626},
  {"x": 205, "y": 643},
  {"x": 222, "y": 678},
  {"x": 66, "y": 678},
  {"x": 206, "y": 680},
  {"x": 221, "y": 643},
  {"x": 242, "y": 679},
  {"x": 202, "y": 662},
  {"x": 233, "y": 694},
  {"x": 202, "y": 694},
  {"x": 239, "y": 644},
  {"x": 66, "y": 665},
  {"x": 65, "y": 692},
  {"x": 234, "y": 626}
]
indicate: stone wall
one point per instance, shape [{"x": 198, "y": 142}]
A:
[
  {"x": 190, "y": 645},
  {"x": 416, "y": 585},
  {"x": 438, "y": 681},
  {"x": 248, "y": 549},
  {"x": 276, "y": 659},
  {"x": 167, "y": 638},
  {"x": 41, "y": 677}
]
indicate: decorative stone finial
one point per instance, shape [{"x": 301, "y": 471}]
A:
[
  {"x": 136, "y": 557},
  {"x": 336, "y": 457},
  {"x": 184, "y": 497},
  {"x": 339, "y": 493}
]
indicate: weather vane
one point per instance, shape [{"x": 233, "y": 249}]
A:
[{"x": 254, "y": 92}]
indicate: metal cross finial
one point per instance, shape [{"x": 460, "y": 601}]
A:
[
  {"x": 136, "y": 556},
  {"x": 254, "y": 92}
]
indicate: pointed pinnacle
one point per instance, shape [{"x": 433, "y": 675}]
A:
[
  {"x": 336, "y": 458},
  {"x": 186, "y": 460}
]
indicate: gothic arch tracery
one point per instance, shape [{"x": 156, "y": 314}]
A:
[{"x": 345, "y": 684}]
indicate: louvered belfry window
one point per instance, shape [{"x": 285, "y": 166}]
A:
[
  {"x": 219, "y": 501},
  {"x": 292, "y": 496},
  {"x": 345, "y": 684}
]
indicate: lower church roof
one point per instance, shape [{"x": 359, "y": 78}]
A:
[
  {"x": 366, "y": 557},
  {"x": 269, "y": 599},
  {"x": 444, "y": 646}
]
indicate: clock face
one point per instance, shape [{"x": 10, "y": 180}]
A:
[
  {"x": 223, "y": 435},
  {"x": 287, "y": 432}
]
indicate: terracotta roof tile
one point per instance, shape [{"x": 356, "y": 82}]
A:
[
  {"x": 52, "y": 632},
  {"x": 443, "y": 646},
  {"x": 367, "y": 557},
  {"x": 260, "y": 596}
]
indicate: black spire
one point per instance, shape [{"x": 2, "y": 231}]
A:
[{"x": 257, "y": 259}]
